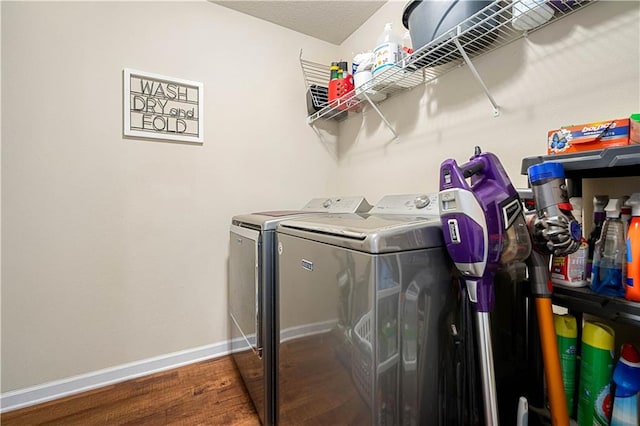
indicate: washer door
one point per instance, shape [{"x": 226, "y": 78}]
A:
[{"x": 245, "y": 294}]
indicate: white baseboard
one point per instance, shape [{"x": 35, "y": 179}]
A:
[
  {"x": 33, "y": 395},
  {"x": 21, "y": 398}
]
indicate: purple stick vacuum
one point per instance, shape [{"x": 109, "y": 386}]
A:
[{"x": 484, "y": 228}]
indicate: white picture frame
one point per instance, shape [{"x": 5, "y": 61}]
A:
[{"x": 162, "y": 107}]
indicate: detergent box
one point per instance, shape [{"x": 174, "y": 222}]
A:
[
  {"x": 634, "y": 128},
  {"x": 588, "y": 137}
]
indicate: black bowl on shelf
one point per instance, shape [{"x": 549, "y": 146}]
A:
[{"x": 432, "y": 20}]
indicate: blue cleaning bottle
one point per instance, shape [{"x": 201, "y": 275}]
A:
[
  {"x": 609, "y": 253},
  {"x": 626, "y": 376}
]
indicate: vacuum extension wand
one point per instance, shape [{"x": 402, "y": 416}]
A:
[
  {"x": 539, "y": 276},
  {"x": 483, "y": 228},
  {"x": 553, "y": 230}
]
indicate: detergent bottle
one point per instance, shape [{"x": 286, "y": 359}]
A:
[
  {"x": 388, "y": 50},
  {"x": 632, "y": 284},
  {"x": 609, "y": 254},
  {"x": 626, "y": 376}
]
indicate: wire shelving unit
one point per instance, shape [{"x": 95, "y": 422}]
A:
[{"x": 496, "y": 25}]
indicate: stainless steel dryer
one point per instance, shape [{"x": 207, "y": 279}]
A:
[
  {"x": 252, "y": 296},
  {"x": 366, "y": 308}
]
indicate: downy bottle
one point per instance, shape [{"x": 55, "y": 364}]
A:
[
  {"x": 632, "y": 284},
  {"x": 599, "y": 201},
  {"x": 609, "y": 254}
]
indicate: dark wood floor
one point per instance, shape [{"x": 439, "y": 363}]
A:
[{"x": 206, "y": 393}]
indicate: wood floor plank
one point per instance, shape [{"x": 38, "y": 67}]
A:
[{"x": 205, "y": 393}]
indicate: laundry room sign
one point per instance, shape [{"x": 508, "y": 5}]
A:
[{"x": 161, "y": 107}]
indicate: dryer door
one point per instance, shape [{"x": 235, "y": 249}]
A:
[{"x": 245, "y": 295}]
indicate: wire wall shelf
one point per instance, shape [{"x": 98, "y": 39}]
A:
[{"x": 497, "y": 25}]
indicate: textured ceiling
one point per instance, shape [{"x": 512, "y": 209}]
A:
[{"x": 329, "y": 20}]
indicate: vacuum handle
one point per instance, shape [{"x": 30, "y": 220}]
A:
[{"x": 471, "y": 168}]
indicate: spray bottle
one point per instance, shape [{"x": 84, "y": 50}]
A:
[
  {"x": 626, "y": 376},
  {"x": 625, "y": 213},
  {"x": 632, "y": 284},
  {"x": 609, "y": 254},
  {"x": 599, "y": 201}
]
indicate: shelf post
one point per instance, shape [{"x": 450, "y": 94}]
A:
[{"x": 472, "y": 68}]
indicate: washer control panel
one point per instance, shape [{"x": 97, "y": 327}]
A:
[
  {"x": 338, "y": 205},
  {"x": 422, "y": 204}
]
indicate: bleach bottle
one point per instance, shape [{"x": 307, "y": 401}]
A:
[
  {"x": 632, "y": 284},
  {"x": 626, "y": 376},
  {"x": 388, "y": 50},
  {"x": 609, "y": 254}
]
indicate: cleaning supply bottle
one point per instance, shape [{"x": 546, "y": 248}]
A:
[
  {"x": 625, "y": 212},
  {"x": 626, "y": 376},
  {"x": 388, "y": 50},
  {"x": 599, "y": 201},
  {"x": 632, "y": 284},
  {"x": 609, "y": 254},
  {"x": 406, "y": 47},
  {"x": 595, "y": 374},
  {"x": 576, "y": 203},
  {"x": 570, "y": 270},
  {"x": 625, "y": 217},
  {"x": 567, "y": 334}
]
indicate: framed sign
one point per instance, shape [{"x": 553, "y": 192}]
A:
[{"x": 161, "y": 107}]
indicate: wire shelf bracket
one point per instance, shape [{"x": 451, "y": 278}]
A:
[
  {"x": 384, "y": 119},
  {"x": 474, "y": 71}
]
